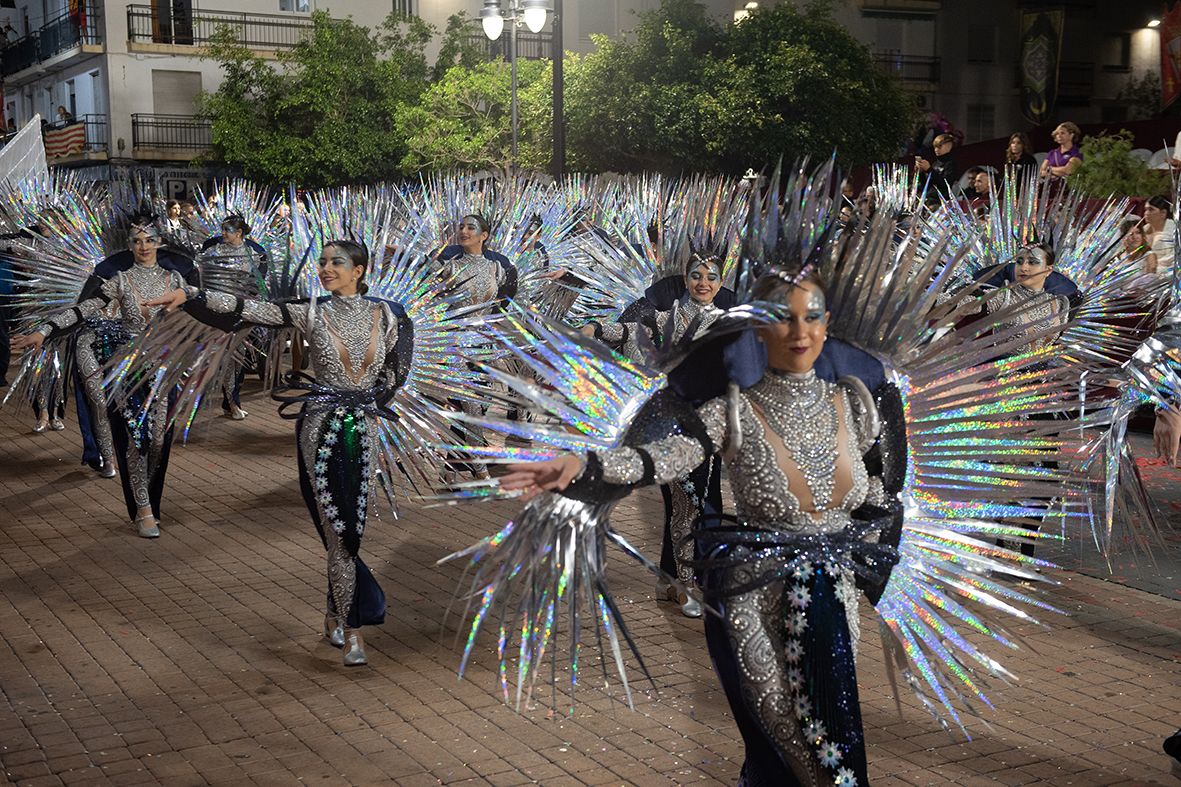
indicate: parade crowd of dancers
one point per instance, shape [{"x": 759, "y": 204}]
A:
[{"x": 904, "y": 404}]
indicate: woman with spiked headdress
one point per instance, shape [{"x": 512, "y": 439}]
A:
[
  {"x": 793, "y": 446},
  {"x": 233, "y": 263},
  {"x": 644, "y": 325},
  {"x": 115, "y": 305}
]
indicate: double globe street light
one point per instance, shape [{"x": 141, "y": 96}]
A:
[{"x": 533, "y": 15}]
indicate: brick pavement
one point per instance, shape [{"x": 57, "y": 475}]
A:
[{"x": 197, "y": 659}]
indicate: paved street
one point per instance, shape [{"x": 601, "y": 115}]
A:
[{"x": 197, "y": 658}]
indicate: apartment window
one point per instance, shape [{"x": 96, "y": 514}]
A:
[
  {"x": 981, "y": 122},
  {"x": 1116, "y": 54},
  {"x": 302, "y": 6},
  {"x": 175, "y": 92},
  {"x": 71, "y": 98},
  {"x": 405, "y": 7},
  {"x": 981, "y": 44}
]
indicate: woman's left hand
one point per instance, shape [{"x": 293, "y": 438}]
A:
[{"x": 532, "y": 478}]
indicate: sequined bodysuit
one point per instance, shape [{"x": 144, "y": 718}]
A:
[
  {"x": 793, "y": 447},
  {"x": 1036, "y": 311},
  {"x": 353, "y": 343},
  {"x": 122, "y": 297}
]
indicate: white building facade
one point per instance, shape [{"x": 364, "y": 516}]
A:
[{"x": 131, "y": 72}]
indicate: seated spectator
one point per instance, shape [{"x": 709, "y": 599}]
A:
[
  {"x": 1161, "y": 233},
  {"x": 1019, "y": 155},
  {"x": 982, "y": 182},
  {"x": 970, "y": 193},
  {"x": 941, "y": 167},
  {"x": 1066, "y": 158},
  {"x": 1136, "y": 245}
]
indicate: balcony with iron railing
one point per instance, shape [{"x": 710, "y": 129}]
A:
[
  {"x": 170, "y": 137},
  {"x": 84, "y": 139},
  {"x": 62, "y": 40},
  {"x": 911, "y": 70},
  {"x": 159, "y": 29},
  {"x": 530, "y": 46}
]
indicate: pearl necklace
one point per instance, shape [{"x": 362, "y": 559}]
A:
[{"x": 799, "y": 408}]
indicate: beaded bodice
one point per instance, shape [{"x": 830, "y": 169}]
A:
[
  {"x": 350, "y": 337},
  {"x": 1034, "y": 310},
  {"x": 685, "y": 312},
  {"x": 349, "y": 340},
  {"x": 123, "y": 296},
  {"x": 793, "y": 429},
  {"x": 232, "y": 269},
  {"x": 474, "y": 276},
  {"x": 793, "y": 448}
]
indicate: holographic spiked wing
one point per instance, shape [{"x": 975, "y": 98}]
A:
[
  {"x": 544, "y": 573},
  {"x": 69, "y": 219},
  {"x": 177, "y": 355},
  {"x": 258, "y": 206},
  {"x": 977, "y": 466}
]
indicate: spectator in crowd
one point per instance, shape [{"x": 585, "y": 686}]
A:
[
  {"x": 867, "y": 204},
  {"x": 1136, "y": 245},
  {"x": 1161, "y": 233},
  {"x": 64, "y": 116},
  {"x": 848, "y": 195},
  {"x": 970, "y": 192},
  {"x": 941, "y": 167},
  {"x": 1066, "y": 158},
  {"x": 1019, "y": 154},
  {"x": 982, "y": 183}
]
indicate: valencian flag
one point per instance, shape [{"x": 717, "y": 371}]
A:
[
  {"x": 1041, "y": 45},
  {"x": 1170, "y": 56}
]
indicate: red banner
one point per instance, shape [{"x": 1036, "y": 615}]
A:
[
  {"x": 1170, "y": 56},
  {"x": 66, "y": 140}
]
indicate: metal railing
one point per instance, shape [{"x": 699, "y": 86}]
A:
[
  {"x": 530, "y": 46},
  {"x": 58, "y": 35},
  {"x": 197, "y": 27},
  {"x": 98, "y": 138},
  {"x": 910, "y": 69},
  {"x": 171, "y": 132}
]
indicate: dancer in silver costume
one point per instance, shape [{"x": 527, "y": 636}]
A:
[
  {"x": 1034, "y": 308},
  {"x": 690, "y": 316},
  {"x": 793, "y": 446},
  {"x": 481, "y": 277},
  {"x": 234, "y": 264},
  {"x": 361, "y": 352},
  {"x": 140, "y": 442}
]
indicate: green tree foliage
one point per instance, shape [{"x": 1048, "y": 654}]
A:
[
  {"x": 324, "y": 114},
  {"x": 687, "y": 93},
  {"x": 464, "y": 120},
  {"x": 1109, "y": 168}
]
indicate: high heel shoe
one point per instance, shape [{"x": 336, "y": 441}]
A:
[
  {"x": 41, "y": 426},
  {"x": 334, "y": 631},
  {"x": 148, "y": 526},
  {"x": 354, "y": 648},
  {"x": 57, "y": 424}
]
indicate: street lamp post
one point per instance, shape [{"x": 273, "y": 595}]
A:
[{"x": 532, "y": 14}]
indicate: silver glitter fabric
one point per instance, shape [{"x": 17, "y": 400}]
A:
[
  {"x": 92, "y": 385},
  {"x": 474, "y": 276},
  {"x": 125, "y": 294},
  {"x": 1036, "y": 311},
  {"x": 784, "y": 427},
  {"x": 350, "y": 340},
  {"x": 230, "y": 269},
  {"x": 628, "y": 338}
]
